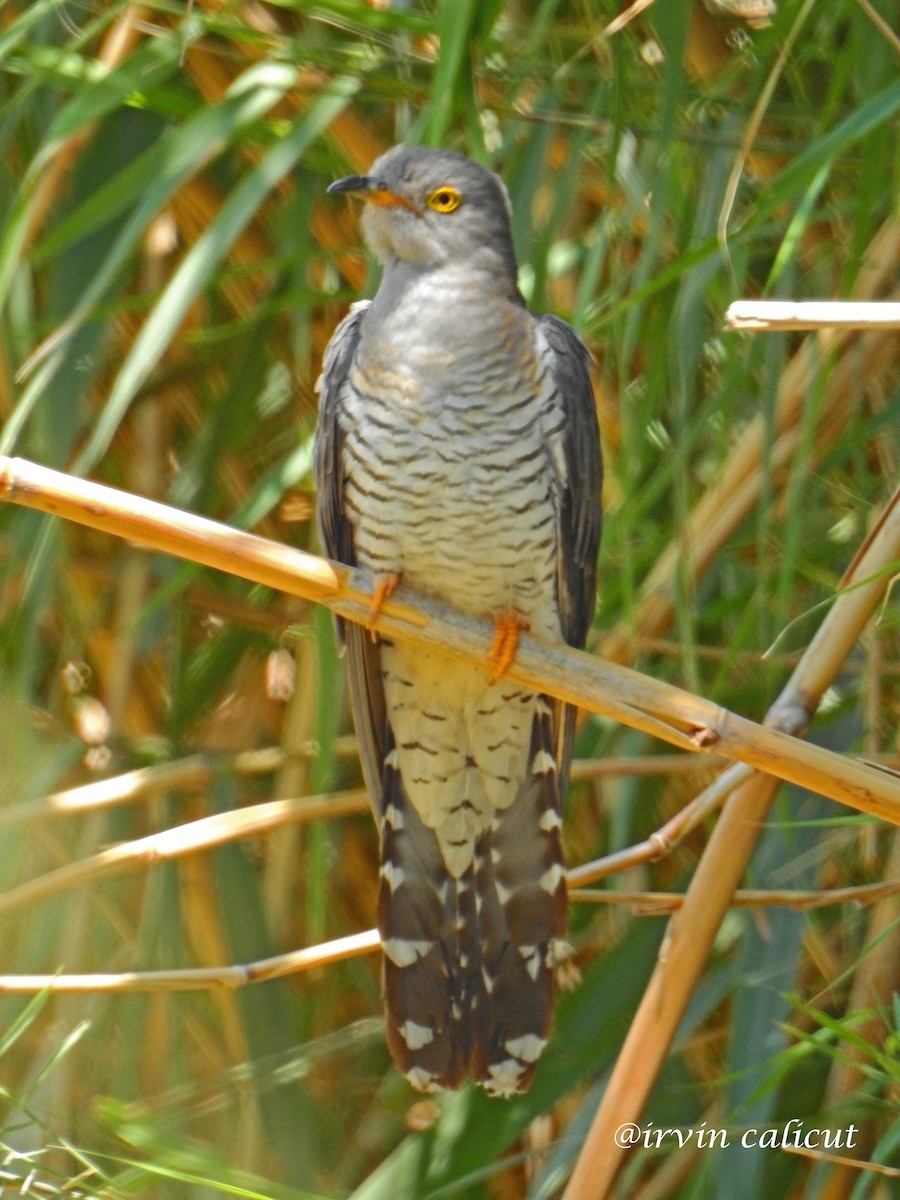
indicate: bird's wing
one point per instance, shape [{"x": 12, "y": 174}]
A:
[
  {"x": 578, "y": 512},
  {"x": 335, "y": 530},
  {"x": 579, "y": 477},
  {"x": 336, "y": 533}
]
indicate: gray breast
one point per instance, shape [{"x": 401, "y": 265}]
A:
[{"x": 447, "y": 459}]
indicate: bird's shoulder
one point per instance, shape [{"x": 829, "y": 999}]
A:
[
  {"x": 569, "y": 354},
  {"x": 334, "y": 528},
  {"x": 341, "y": 348}
]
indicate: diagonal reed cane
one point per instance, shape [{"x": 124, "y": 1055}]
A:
[{"x": 687, "y": 721}]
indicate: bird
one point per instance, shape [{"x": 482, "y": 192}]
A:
[{"x": 457, "y": 448}]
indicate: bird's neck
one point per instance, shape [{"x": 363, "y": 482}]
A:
[
  {"x": 431, "y": 331},
  {"x": 448, "y": 302}
]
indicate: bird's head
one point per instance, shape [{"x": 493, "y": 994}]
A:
[{"x": 430, "y": 208}]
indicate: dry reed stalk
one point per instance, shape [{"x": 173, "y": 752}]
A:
[
  {"x": 634, "y": 9},
  {"x": 667, "y": 712},
  {"x": 193, "y": 979},
  {"x": 664, "y": 840},
  {"x": 748, "y": 658},
  {"x": 179, "y": 840},
  {"x": 232, "y": 977},
  {"x": 206, "y": 832},
  {"x": 584, "y": 769},
  {"x": 648, "y": 903},
  {"x": 752, "y": 658},
  {"x": 841, "y": 1160},
  {"x": 184, "y": 774},
  {"x": 691, "y": 932},
  {"x": 880, "y": 23},
  {"x": 196, "y": 772},
  {"x": 812, "y": 314}
]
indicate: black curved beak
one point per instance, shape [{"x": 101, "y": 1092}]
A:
[{"x": 353, "y": 183}]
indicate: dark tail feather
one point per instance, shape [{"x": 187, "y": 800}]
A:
[
  {"x": 468, "y": 966},
  {"x": 423, "y": 989},
  {"x": 521, "y": 884}
]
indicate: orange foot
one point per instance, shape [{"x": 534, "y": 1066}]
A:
[
  {"x": 385, "y": 586},
  {"x": 507, "y": 627}
]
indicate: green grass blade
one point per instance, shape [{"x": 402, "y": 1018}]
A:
[
  {"x": 456, "y": 19},
  {"x": 153, "y": 180},
  {"x": 21, "y": 1023},
  {"x": 204, "y": 258}
]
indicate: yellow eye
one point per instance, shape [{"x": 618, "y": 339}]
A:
[{"x": 444, "y": 199}]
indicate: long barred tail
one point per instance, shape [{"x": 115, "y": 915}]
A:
[{"x": 468, "y": 962}]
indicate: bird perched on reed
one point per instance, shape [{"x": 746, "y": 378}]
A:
[{"x": 457, "y": 448}]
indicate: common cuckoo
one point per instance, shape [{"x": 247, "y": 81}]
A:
[{"x": 457, "y": 447}]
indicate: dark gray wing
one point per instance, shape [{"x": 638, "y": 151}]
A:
[
  {"x": 335, "y": 530},
  {"x": 578, "y": 511},
  {"x": 578, "y": 518},
  {"x": 336, "y": 533}
]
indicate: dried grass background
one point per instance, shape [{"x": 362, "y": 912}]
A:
[{"x": 170, "y": 271}]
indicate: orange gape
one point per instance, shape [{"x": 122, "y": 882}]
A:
[{"x": 385, "y": 199}]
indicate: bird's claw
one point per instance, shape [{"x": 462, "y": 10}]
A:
[
  {"x": 385, "y": 586},
  {"x": 507, "y": 627}
]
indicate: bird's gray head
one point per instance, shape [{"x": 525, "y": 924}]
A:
[{"x": 434, "y": 207}]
